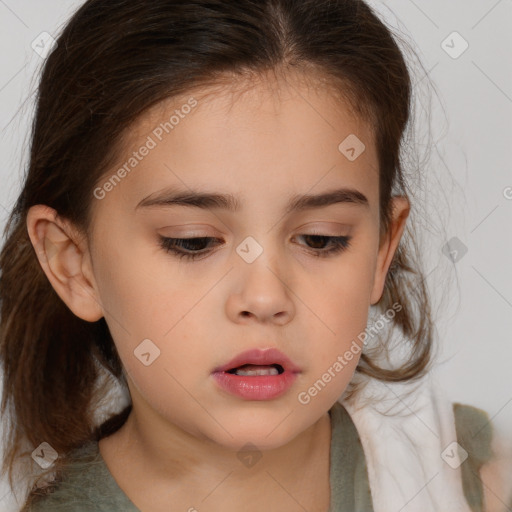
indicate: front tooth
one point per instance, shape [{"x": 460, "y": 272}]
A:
[{"x": 269, "y": 371}]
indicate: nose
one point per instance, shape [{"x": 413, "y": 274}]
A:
[{"x": 261, "y": 294}]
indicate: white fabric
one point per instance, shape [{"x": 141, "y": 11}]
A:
[{"x": 403, "y": 448}]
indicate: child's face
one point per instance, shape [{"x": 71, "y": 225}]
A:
[{"x": 260, "y": 286}]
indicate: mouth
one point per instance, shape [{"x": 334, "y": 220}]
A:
[
  {"x": 257, "y": 360},
  {"x": 252, "y": 370},
  {"x": 257, "y": 375}
]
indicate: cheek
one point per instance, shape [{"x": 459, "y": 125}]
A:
[
  {"x": 341, "y": 307},
  {"x": 344, "y": 297},
  {"x": 144, "y": 296},
  {"x": 344, "y": 317},
  {"x": 136, "y": 282}
]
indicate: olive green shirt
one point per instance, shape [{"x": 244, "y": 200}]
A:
[{"x": 87, "y": 484}]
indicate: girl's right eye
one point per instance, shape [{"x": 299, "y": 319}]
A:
[{"x": 186, "y": 244}]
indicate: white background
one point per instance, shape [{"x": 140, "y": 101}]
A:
[{"x": 467, "y": 174}]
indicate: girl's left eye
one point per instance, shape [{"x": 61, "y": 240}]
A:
[{"x": 192, "y": 248}]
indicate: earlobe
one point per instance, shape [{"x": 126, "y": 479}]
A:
[
  {"x": 62, "y": 256},
  {"x": 387, "y": 249}
]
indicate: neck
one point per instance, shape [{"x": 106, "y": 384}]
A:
[{"x": 150, "y": 457}]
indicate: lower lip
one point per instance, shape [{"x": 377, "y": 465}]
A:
[{"x": 260, "y": 387}]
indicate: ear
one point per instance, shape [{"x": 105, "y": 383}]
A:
[
  {"x": 64, "y": 257},
  {"x": 388, "y": 245}
]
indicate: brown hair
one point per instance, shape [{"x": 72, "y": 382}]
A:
[{"x": 114, "y": 60}]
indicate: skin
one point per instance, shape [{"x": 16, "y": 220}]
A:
[{"x": 277, "y": 139}]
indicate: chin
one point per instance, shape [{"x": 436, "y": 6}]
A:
[{"x": 267, "y": 430}]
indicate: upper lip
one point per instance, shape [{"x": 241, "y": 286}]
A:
[{"x": 260, "y": 357}]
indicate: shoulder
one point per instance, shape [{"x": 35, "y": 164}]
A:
[
  {"x": 487, "y": 460},
  {"x": 78, "y": 490},
  {"x": 474, "y": 432}
]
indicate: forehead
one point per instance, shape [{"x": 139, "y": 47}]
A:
[{"x": 285, "y": 135}]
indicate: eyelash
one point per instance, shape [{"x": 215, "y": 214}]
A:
[{"x": 340, "y": 244}]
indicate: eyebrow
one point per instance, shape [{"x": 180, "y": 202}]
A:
[{"x": 208, "y": 201}]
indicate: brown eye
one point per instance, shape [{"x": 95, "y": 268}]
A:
[
  {"x": 189, "y": 248},
  {"x": 336, "y": 244}
]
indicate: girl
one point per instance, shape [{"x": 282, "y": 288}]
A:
[{"x": 214, "y": 205}]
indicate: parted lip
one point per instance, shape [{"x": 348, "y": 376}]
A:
[{"x": 258, "y": 356}]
